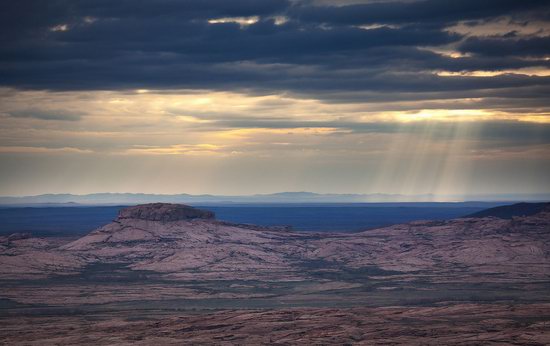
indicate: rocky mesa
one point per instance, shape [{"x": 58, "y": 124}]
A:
[
  {"x": 164, "y": 212},
  {"x": 181, "y": 242}
]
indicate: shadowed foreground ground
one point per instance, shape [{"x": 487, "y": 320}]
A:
[{"x": 462, "y": 324}]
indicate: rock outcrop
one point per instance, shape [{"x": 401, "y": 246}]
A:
[
  {"x": 19, "y": 236},
  {"x": 164, "y": 212}
]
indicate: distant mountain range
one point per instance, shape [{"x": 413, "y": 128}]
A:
[{"x": 282, "y": 197}]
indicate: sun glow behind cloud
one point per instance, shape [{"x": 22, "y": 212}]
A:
[
  {"x": 239, "y": 20},
  {"x": 400, "y": 151},
  {"x": 178, "y": 149},
  {"x": 526, "y": 72},
  {"x": 154, "y": 116}
]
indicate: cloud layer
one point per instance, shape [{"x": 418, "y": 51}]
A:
[
  {"x": 299, "y": 47},
  {"x": 371, "y": 96}
]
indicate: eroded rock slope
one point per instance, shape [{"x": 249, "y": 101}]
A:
[{"x": 182, "y": 242}]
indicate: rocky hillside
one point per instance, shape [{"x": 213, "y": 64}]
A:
[
  {"x": 513, "y": 210},
  {"x": 182, "y": 243}
]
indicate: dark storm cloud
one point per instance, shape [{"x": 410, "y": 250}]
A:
[
  {"x": 429, "y": 11},
  {"x": 190, "y": 9},
  {"x": 316, "y": 50},
  {"x": 24, "y": 16},
  {"x": 507, "y": 46}
]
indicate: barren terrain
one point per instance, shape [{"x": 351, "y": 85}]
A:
[{"x": 170, "y": 273}]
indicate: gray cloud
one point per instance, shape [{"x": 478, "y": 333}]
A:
[
  {"x": 44, "y": 114},
  {"x": 319, "y": 50},
  {"x": 426, "y": 11},
  {"x": 507, "y": 46}
]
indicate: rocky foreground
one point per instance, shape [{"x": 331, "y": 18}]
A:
[
  {"x": 465, "y": 324},
  {"x": 456, "y": 281}
]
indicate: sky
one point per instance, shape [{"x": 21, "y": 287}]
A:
[{"x": 259, "y": 96}]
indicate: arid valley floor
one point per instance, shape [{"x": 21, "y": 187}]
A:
[{"x": 171, "y": 274}]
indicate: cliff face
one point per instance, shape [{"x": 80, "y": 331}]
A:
[{"x": 164, "y": 212}]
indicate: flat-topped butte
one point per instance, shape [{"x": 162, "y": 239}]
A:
[{"x": 164, "y": 212}]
